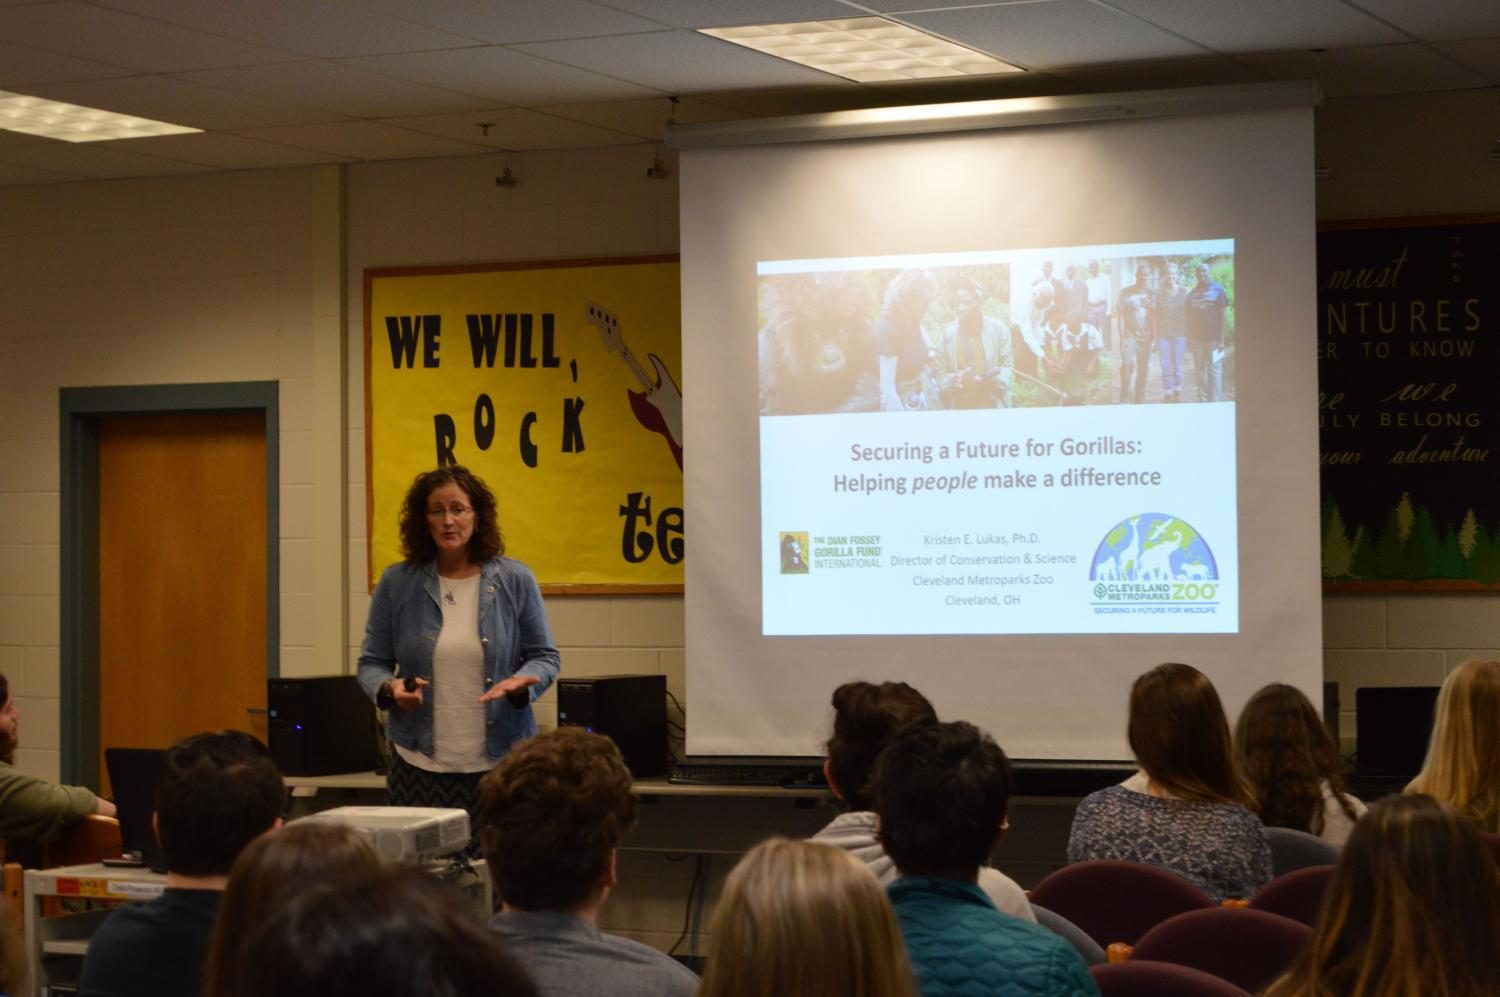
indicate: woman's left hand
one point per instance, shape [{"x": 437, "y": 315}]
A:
[{"x": 513, "y": 684}]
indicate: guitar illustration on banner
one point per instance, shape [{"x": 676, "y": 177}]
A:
[{"x": 658, "y": 406}]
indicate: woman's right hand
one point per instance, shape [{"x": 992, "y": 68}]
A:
[{"x": 408, "y": 701}]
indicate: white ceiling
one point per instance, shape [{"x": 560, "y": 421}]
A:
[{"x": 291, "y": 82}]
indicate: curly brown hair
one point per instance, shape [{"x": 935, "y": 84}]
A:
[
  {"x": 1287, "y": 755},
  {"x": 416, "y": 539},
  {"x": 551, "y": 815}
]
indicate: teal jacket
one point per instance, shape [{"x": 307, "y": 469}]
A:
[{"x": 961, "y": 946}]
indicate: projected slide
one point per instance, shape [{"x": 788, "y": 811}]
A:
[{"x": 1009, "y": 442}]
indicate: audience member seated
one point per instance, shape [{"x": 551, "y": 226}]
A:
[
  {"x": 1463, "y": 758},
  {"x": 942, "y": 791},
  {"x": 219, "y": 792},
  {"x": 551, "y": 816},
  {"x": 799, "y": 919},
  {"x": 396, "y": 932},
  {"x": 1186, "y": 810},
  {"x": 268, "y": 873},
  {"x": 1414, "y": 908},
  {"x": 31, "y": 807},
  {"x": 1293, "y": 765},
  {"x": 865, "y": 718}
]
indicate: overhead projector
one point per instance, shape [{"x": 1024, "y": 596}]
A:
[{"x": 404, "y": 834}]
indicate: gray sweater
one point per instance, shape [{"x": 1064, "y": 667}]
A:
[{"x": 569, "y": 957}]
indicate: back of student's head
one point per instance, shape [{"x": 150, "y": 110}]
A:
[
  {"x": 1287, "y": 755},
  {"x": 799, "y": 919},
  {"x": 865, "y": 718},
  {"x": 275, "y": 867},
  {"x": 1463, "y": 757},
  {"x": 219, "y": 791},
  {"x": 394, "y": 932},
  {"x": 551, "y": 815},
  {"x": 1414, "y": 908},
  {"x": 942, "y": 791},
  {"x": 1180, "y": 736}
]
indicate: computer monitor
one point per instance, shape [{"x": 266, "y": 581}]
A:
[
  {"x": 134, "y": 774},
  {"x": 1393, "y": 725}
]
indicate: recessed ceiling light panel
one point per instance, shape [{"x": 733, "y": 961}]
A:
[
  {"x": 864, "y": 49},
  {"x": 29, "y": 115}
]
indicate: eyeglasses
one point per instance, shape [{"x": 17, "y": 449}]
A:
[{"x": 456, "y": 511}]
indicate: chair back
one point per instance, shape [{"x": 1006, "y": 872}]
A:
[
  {"x": 1249, "y": 948},
  {"x": 1292, "y": 850},
  {"x": 1138, "y": 978},
  {"x": 1114, "y": 901},
  {"x": 1071, "y": 933},
  {"x": 1297, "y": 895},
  {"x": 91, "y": 839}
]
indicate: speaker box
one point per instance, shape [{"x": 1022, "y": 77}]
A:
[
  {"x": 321, "y": 726},
  {"x": 629, "y": 709}
]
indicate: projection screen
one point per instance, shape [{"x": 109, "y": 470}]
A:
[{"x": 1011, "y": 414}]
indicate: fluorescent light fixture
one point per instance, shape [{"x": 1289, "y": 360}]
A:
[
  {"x": 864, "y": 49},
  {"x": 20, "y": 112}
]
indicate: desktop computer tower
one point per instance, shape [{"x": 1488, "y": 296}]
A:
[
  {"x": 321, "y": 726},
  {"x": 629, "y": 709}
]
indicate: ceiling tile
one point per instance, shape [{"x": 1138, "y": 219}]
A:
[
  {"x": 14, "y": 176},
  {"x": 95, "y": 160},
  {"x": 22, "y": 65},
  {"x": 1376, "y": 69},
  {"x": 1209, "y": 71},
  {"x": 644, "y": 118},
  {"x": 334, "y": 86},
  {"x": 502, "y": 76},
  {"x": 367, "y": 140},
  {"x": 726, "y": 13},
  {"x": 1439, "y": 20},
  {"x": 233, "y": 152},
  {"x": 116, "y": 38},
  {"x": 802, "y": 100},
  {"x": 183, "y": 102},
  {"x": 317, "y": 28},
  {"x": 679, "y": 62},
  {"x": 515, "y": 128},
  {"x": 1265, "y": 25},
  {"x": 1055, "y": 33},
  {"x": 1480, "y": 54},
  {"x": 515, "y": 22}
]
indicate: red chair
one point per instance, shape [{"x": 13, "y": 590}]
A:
[
  {"x": 1160, "y": 979},
  {"x": 1297, "y": 895},
  {"x": 1115, "y": 901},
  {"x": 1249, "y": 948}
]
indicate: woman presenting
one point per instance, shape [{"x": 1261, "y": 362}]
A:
[{"x": 456, "y": 645}]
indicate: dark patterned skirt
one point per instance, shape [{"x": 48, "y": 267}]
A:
[{"x": 408, "y": 786}]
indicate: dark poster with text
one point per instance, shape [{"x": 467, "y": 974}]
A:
[{"x": 1407, "y": 405}]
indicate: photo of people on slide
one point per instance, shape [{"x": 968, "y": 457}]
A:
[{"x": 1031, "y": 329}]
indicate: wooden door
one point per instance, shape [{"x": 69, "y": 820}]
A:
[{"x": 182, "y": 576}]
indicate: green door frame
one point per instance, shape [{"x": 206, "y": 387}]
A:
[{"x": 81, "y": 410}]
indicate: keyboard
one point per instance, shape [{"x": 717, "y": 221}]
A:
[{"x": 736, "y": 770}]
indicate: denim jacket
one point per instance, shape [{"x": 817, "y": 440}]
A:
[{"x": 403, "y": 625}]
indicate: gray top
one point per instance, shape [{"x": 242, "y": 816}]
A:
[{"x": 569, "y": 957}]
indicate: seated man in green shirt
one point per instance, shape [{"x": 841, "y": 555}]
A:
[{"x": 32, "y": 807}]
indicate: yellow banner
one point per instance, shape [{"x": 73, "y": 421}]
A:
[{"x": 559, "y": 385}]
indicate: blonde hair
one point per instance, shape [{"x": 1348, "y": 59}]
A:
[
  {"x": 1463, "y": 758},
  {"x": 1414, "y": 908},
  {"x": 798, "y": 919}
]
